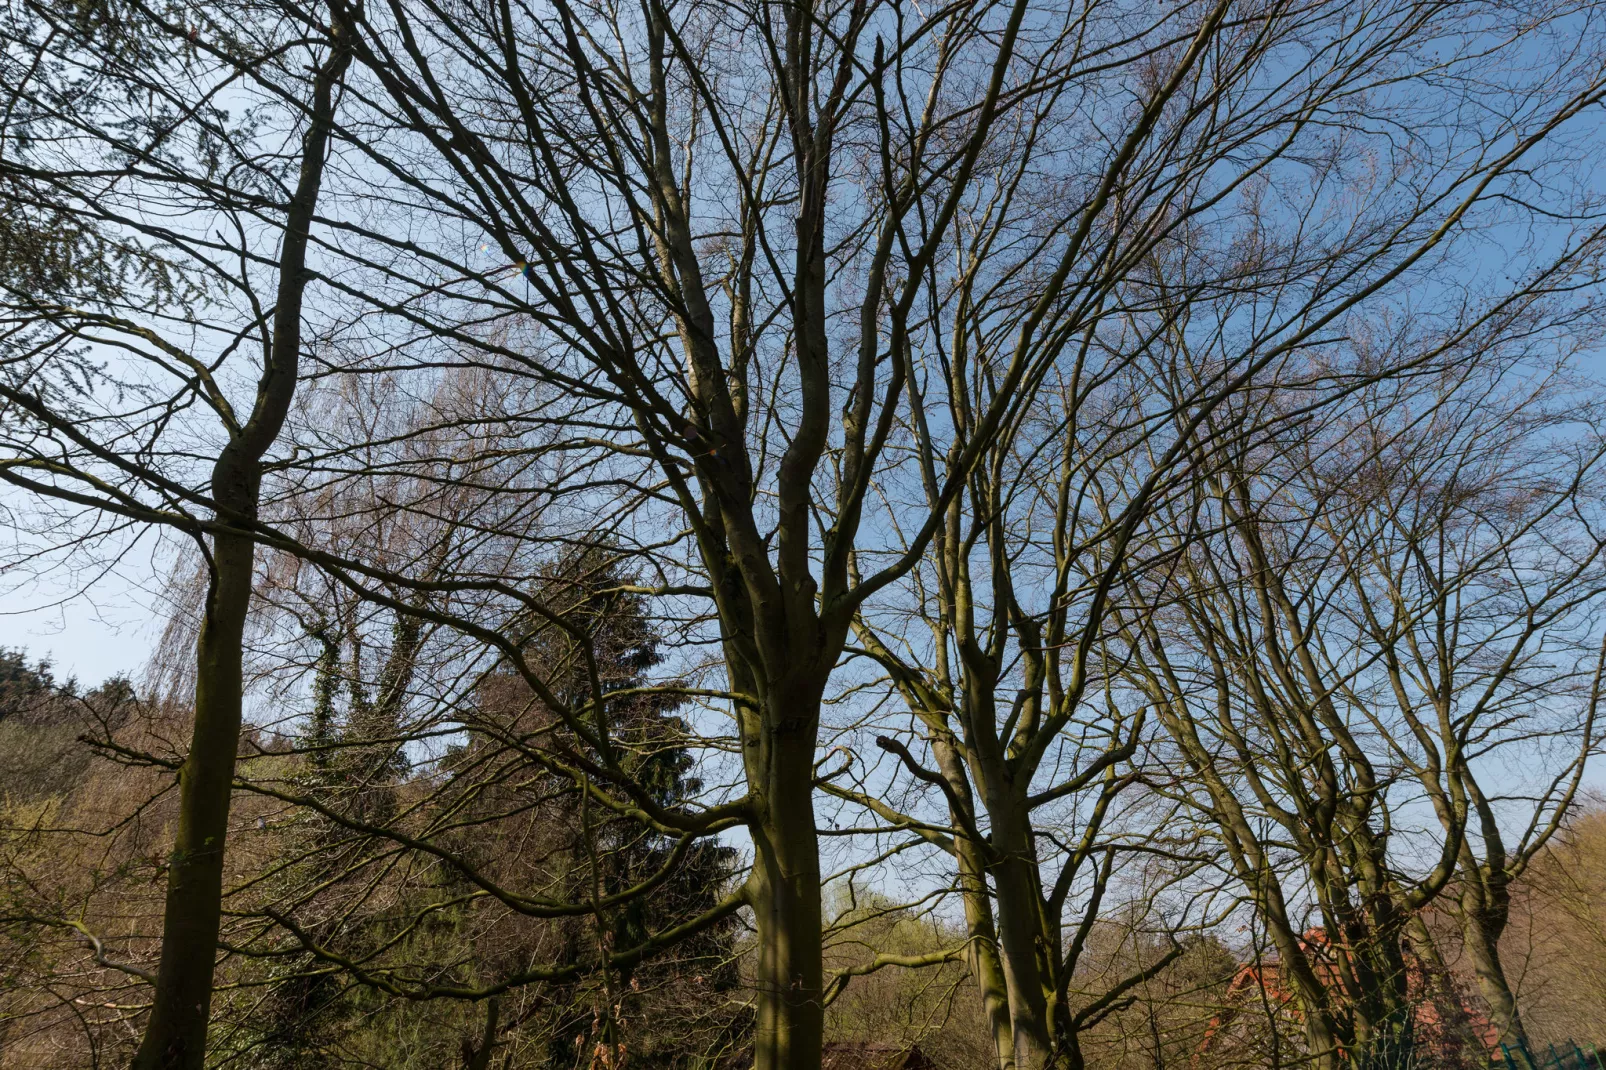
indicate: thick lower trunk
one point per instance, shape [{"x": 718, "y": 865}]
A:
[
  {"x": 981, "y": 953},
  {"x": 784, "y": 892},
  {"x": 1020, "y": 943},
  {"x": 1482, "y": 941},
  {"x": 175, "y": 1037}
]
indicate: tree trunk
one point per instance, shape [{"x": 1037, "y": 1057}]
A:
[
  {"x": 1322, "y": 1037},
  {"x": 1020, "y": 938},
  {"x": 981, "y": 948},
  {"x": 982, "y": 953},
  {"x": 479, "y": 1057},
  {"x": 175, "y": 1036},
  {"x": 784, "y": 891},
  {"x": 1068, "y": 1055},
  {"x": 1481, "y": 936}
]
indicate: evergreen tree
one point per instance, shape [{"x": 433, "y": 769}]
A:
[{"x": 518, "y": 825}]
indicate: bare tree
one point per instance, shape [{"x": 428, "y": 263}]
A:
[
  {"x": 1481, "y": 583},
  {"x": 769, "y": 246},
  {"x": 1384, "y": 610},
  {"x": 592, "y": 180},
  {"x": 784, "y": 287},
  {"x": 112, "y": 460},
  {"x": 1006, "y": 648}
]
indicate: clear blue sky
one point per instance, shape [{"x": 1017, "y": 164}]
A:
[{"x": 107, "y": 630}]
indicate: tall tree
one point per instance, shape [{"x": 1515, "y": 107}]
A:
[
  {"x": 1007, "y": 647},
  {"x": 100, "y": 176},
  {"x": 757, "y": 249},
  {"x": 1392, "y": 608}
]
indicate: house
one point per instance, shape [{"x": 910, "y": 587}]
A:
[{"x": 1448, "y": 1024}]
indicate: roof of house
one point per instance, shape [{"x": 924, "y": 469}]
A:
[{"x": 1265, "y": 979}]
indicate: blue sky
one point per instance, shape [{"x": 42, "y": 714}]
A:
[{"x": 108, "y": 629}]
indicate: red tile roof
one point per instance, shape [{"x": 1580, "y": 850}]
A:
[{"x": 1443, "y": 1026}]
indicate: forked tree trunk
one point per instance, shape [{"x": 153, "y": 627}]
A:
[
  {"x": 1485, "y": 909},
  {"x": 1006, "y": 956}
]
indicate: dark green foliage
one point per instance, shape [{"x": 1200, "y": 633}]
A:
[
  {"x": 24, "y": 685},
  {"x": 74, "y": 107},
  {"x": 510, "y": 821}
]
